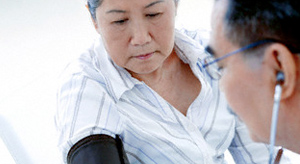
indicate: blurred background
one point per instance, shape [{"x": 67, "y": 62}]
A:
[{"x": 37, "y": 40}]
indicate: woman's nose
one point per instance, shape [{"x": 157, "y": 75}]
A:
[{"x": 140, "y": 34}]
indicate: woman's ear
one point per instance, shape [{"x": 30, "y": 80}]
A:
[
  {"x": 279, "y": 58},
  {"x": 95, "y": 24}
]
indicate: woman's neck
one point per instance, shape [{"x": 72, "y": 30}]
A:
[
  {"x": 175, "y": 82},
  {"x": 170, "y": 67}
]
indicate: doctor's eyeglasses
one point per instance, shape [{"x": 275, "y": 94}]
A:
[{"x": 210, "y": 64}]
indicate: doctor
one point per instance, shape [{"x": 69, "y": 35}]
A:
[{"x": 256, "y": 46}]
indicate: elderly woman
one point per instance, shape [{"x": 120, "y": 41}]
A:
[{"x": 139, "y": 95}]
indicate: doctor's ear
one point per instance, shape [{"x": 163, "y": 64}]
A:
[{"x": 282, "y": 63}]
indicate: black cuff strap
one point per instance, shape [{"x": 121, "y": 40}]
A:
[{"x": 98, "y": 149}]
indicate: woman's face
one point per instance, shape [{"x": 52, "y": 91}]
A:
[{"x": 138, "y": 34}]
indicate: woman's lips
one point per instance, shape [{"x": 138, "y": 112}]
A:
[{"x": 145, "y": 56}]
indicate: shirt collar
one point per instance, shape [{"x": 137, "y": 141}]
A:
[{"x": 117, "y": 79}]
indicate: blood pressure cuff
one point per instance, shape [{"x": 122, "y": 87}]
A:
[{"x": 98, "y": 149}]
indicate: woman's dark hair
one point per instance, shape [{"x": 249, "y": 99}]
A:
[
  {"x": 247, "y": 21},
  {"x": 94, "y": 4}
]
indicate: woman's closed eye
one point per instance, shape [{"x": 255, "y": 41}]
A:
[
  {"x": 153, "y": 15},
  {"x": 123, "y": 21},
  {"x": 120, "y": 22}
]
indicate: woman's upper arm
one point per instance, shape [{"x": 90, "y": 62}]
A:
[{"x": 84, "y": 108}]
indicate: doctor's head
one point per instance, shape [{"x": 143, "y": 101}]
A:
[{"x": 256, "y": 40}]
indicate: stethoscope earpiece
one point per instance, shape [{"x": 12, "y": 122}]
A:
[{"x": 280, "y": 77}]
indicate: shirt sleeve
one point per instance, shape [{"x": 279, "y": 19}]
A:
[
  {"x": 245, "y": 151},
  {"x": 84, "y": 108}
]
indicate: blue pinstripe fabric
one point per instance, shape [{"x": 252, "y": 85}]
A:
[{"x": 98, "y": 97}]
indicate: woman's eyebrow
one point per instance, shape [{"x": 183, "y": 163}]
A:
[
  {"x": 153, "y": 3},
  {"x": 115, "y": 11}
]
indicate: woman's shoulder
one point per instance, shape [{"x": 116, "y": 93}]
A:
[
  {"x": 199, "y": 35},
  {"x": 93, "y": 68},
  {"x": 81, "y": 71},
  {"x": 83, "y": 65}
]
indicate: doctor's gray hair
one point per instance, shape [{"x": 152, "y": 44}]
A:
[{"x": 94, "y": 4}]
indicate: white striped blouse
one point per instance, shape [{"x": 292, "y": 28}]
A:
[{"x": 98, "y": 97}]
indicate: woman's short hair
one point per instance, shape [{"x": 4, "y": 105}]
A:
[{"x": 94, "y": 4}]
